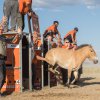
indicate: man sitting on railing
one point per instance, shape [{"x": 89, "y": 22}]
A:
[
  {"x": 52, "y": 32},
  {"x": 71, "y": 37}
]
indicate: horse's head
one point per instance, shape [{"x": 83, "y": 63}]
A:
[{"x": 92, "y": 54}]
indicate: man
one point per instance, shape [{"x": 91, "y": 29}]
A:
[
  {"x": 10, "y": 10},
  {"x": 52, "y": 32},
  {"x": 25, "y": 7},
  {"x": 2, "y": 64},
  {"x": 3, "y": 23},
  {"x": 71, "y": 36},
  {"x": 67, "y": 44}
]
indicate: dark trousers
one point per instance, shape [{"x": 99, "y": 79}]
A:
[
  {"x": 69, "y": 38},
  {"x": 10, "y": 10},
  {"x": 2, "y": 75}
]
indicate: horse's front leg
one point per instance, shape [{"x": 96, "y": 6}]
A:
[{"x": 76, "y": 77}]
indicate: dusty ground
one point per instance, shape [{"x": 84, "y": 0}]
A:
[{"x": 89, "y": 89}]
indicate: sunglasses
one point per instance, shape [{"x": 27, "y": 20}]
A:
[{"x": 66, "y": 42}]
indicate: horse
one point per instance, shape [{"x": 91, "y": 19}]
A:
[{"x": 70, "y": 59}]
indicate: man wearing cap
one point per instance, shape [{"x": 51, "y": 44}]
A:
[
  {"x": 52, "y": 32},
  {"x": 71, "y": 35}
]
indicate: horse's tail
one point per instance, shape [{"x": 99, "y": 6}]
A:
[
  {"x": 46, "y": 60},
  {"x": 40, "y": 58}
]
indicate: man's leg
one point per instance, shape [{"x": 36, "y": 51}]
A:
[
  {"x": 6, "y": 11},
  {"x": 23, "y": 21},
  {"x": 4, "y": 75},
  {"x": 20, "y": 24},
  {"x": 1, "y": 77},
  {"x": 14, "y": 12}
]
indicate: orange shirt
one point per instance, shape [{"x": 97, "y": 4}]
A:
[
  {"x": 52, "y": 28},
  {"x": 64, "y": 46},
  {"x": 23, "y": 8},
  {"x": 72, "y": 33},
  {"x": 1, "y": 29}
]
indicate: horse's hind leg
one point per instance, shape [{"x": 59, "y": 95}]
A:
[
  {"x": 55, "y": 69},
  {"x": 76, "y": 77},
  {"x": 56, "y": 73},
  {"x": 51, "y": 70}
]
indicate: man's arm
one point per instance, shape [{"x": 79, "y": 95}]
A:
[
  {"x": 73, "y": 38},
  {"x": 45, "y": 33},
  {"x": 59, "y": 36}
]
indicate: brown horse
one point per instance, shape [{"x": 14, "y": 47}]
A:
[{"x": 69, "y": 59}]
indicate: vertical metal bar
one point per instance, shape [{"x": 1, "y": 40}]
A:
[
  {"x": 30, "y": 55},
  {"x": 48, "y": 65},
  {"x": 30, "y": 65},
  {"x": 21, "y": 74},
  {"x": 42, "y": 66}
]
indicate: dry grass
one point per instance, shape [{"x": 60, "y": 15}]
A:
[{"x": 88, "y": 89}]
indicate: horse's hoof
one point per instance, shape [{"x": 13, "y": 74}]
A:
[
  {"x": 67, "y": 85},
  {"x": 75, "y": 83},
  {"x": 72, "y": 83}
]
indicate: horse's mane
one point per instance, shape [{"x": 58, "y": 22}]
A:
[{"x": 83, "y": 45}]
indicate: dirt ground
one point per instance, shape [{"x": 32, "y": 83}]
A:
[{"x": 88, "y": 89}]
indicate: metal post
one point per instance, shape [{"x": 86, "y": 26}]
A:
[
  {"x": 48, "y": 65},
  {"x": 21, "y": 74},
  {"x": 30, "y": 65},
  {"x": 42, "y": 66},
  {"x": 30, "y": 55}
]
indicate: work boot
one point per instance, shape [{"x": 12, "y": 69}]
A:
[
  {"x": 12, "y": 30},
  {"x": 16, "y": 38},
  {"x": 5, "y": 30},
  {"x": 19, "y": 30}
]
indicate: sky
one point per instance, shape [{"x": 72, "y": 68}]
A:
[{"x": 84, "y": 14}]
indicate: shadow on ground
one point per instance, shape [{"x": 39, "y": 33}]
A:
[{"x": 85, "y": 81}]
